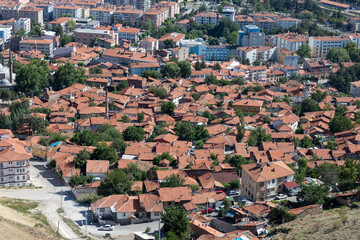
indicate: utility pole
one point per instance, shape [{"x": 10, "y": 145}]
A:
[{"x": 160, "y": 227}]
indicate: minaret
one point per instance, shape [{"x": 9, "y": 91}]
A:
[{"x": 11, "y": 68}]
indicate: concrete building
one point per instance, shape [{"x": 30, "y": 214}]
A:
[
  {"x": 143, "y": 5},
  {"x": 32, "y": 12},
  {"x": 286, "y": 22},
  {"x": 251, "y": 36},
  {"x": 196, "y": 46},
  {"x": 149, "y": 44},
  {"x": 243, "y": 20},
  {"x": 211, "y": 18},
  {"x": 139, "y": 68},
  {"x": 127, "y": 14},
  {"x": 87, "y": 36},
  {"x": 287, "y": 57},
  {"x": 103, "y": 14},
  {"x": 355, "y": 89},
  {"x": 42, "y": 45},
  {"x": 265, "y": 23},
  {"x": 48, "y": 10},
  {"x": 228, "y": 12},
  {"x": 10, "y": 10},
  {"x": 24, "y": 23},
  {"x": 62, "y": 9},
  {"x": 128, "y": 33},
  {"x": 216, "y": 53},
  {"x": 263, "y": 180},
  {"x": 157, "y": 15},
  {"x": 289, "y": 41},
  {"x": 5, "y": 32},
  {"x": 320, "y": 46}
]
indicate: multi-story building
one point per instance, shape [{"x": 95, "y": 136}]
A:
[
  {"x": 320, "y": 46},
  {"x": 261, "y": 54},
  {"x": 14, "y": 161},
  {"x": 289, "y": 41},
  {"x": 32, "y": 12},
  {"x": 46, "y": 46},
  {"x": 211, "y": 18},
  {"x": 248, "y": 105},
  {"x": 216, "y": 52},
  {"x": 251, "y": 36},
  {"x": 265, "y": 23},
  {"x": 61, "y": 21},
  {"x": 48, "y": 10},
  {"x": 261, "y": 181},
  {"x": 103, "y": 14},
  {"x": 14, "y": 168},
  {"x": 10, "y": 10},
  {"x": 119, "y": 56},
  {"x": 149, "y": 44},
  {"x": 24, "y": 23},
  {"x": 87, "y": 36},
  {"x": 174, "y": 37},
  {"x": 319, "y": 70},
  {"x": 174, "y": 7},
  {"x": 355, "y": 37},
  {"x": 127, "y": 14},
  {"x": 143, "y": 5},
  {"x": 287, "y": 57},
  {"x": 128, "y": 33},
  {"x": 68, "y": 9},
  {"x": 157, "y": 15},
  {"x": 286, "y": 22},
  {"x": 243, "y": 20},
  {"x": 228, "y": 12},
  {"x": 5, "y": 32}
]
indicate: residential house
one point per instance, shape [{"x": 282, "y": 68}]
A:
[{"x": 97, "y": 168}]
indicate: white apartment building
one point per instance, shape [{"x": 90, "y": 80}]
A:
[
  {"x": 105, "y": 15},
  {"x": 247, "y": 53},
  {"x": 75, "y": 11},
  {"x": 42, "y": 45},
  {"x": 207, "y": 18},
  {"x": 24, "y": 23},
  {"x": 128, "y": 33},
  {"x": 286, "y": 22},
  {"x": 14, "y": 168},
  {"x": 289, "y": 41},
  {"x": 127, "y": 15},
  {"x": 5, "y": 32},
  {"x": 320, "y": 46},
  {"x": 355, "y": 37},
  {"x": 32, "y": 12}
]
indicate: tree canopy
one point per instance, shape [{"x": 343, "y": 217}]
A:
[{"x": 67, "y": 75}]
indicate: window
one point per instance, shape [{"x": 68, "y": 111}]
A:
[
  {"x": 261, "y": 184},
  {"x": 157, "y": 214},
  {"x": 279, "y": 179},
  {"x": 102, "y": 209}
]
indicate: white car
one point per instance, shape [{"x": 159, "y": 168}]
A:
[
  {"x": 234, "y": 192},
  {"x": 281, "y": 196},
  {"x": 106, "y": 228}
]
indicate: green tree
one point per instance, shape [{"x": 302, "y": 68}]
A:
[
  {"x": 104, "y": 152},
  {"x": 240, "y": 132},
  {"x": 116, "y": 182},
  {"x": 340, "y": 124},
  {"x": 141, "y": 117},
  {"x": 76, "y": 180},
  {"x": 258, "y": 136},
  {"x": 163, "y": 156},
  {"x": 174, "y": 180},
  {"x": 185, "y": 131},
  {"x": 32, "y": 78},
  {"x": 338, "y": 55},
  {"x": 306, "y": 142},
  {"x": 171, "y": 70},
  {"x": 158, "y": 91},
  {"x": 152, "y": 74},
  {"x": 318, "y": 95},
  {"x": 175, "y": 220},
  {"x": 340, "y": 110},
  {"x": 95, "y": 70},
  {"x": 85, "y": 138},
  {"x": 67, "y": 75},
  {"x": 236, "y": 161},
  {"x": 81, "y": 158},
  {"x": 65, "y": 39},
  {"x": 119, "y": 145},
  {"x": 168, "y": 108},
  {"x": 211, "y": 79},
  {"x": 309, "y": 105},
  {"x": 133, "y": 133},
  {"x": 70, "y": 24},
  {"x": 312, "y": 194},
  {"x": 185, "y": 69},
  {"x": 304, "y": 51},
  {"x": 280, "y": 215},
  {"x": 125, "y": 119}
]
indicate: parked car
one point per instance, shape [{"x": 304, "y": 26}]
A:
[
  {"x": 106, "y": 228},
  {"x": 234, "y": 192},
  {"x": 219, "y": 208},
  {"x": 219, "y": 192},
  {"x": 281, "y": 196},
  {"x": 243, "y": 200},
  {"x": 209, "y": 210}
]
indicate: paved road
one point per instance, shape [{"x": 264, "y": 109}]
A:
[{"x": 50, "y": 197}]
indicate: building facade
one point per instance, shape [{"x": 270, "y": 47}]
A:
[{"x": 251, "y": 36}]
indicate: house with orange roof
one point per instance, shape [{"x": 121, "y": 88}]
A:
[
  {"x": 247, "y": 105},
  {"x": 174, "y": 37},
  {"x": 46, "y": 46},
  {"x": 97, "y": 168},
  {"x": 260, "y": 181}
]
